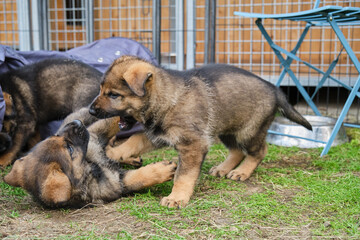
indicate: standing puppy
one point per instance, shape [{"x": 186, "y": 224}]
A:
[{"x": 188, "y": 110}]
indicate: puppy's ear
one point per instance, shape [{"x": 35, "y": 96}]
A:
[
  {"x": 16, "y": 176},
  {"x": 57, "y": 187},
  {"x": 136, "y": 76}
]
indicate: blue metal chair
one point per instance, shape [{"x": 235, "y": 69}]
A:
[{"x": 318, "y": 16}]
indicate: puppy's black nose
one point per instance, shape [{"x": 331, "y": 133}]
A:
[
  {"x": 77, "y": 123},
  {"x": 93, "y": 110}
]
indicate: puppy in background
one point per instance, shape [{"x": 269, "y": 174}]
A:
[{"x": 38, "y": 93}]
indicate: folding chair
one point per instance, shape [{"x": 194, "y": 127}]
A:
[{"x": 318, "y": 16}]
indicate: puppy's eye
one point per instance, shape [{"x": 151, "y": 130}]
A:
[
  {"x": 113, "y": 95},
  {"x": 70, "y": 149}
]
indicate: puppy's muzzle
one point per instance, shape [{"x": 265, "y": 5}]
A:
[{"x": 98, "y": 112}]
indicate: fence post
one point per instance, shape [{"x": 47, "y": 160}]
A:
[
  {"x": 190, "y": 33},
  {"x": 23, "y": 11},
  {"x": 44, "y": 25},
  {"x": 89, "y": 18},
  {"x": 179, "y": 23},
  {"x": 35, "y": 25},
  {"x": 156, "y": 30},
  {"x": 210, "y": 29}
]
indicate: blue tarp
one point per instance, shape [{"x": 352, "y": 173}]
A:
[{"x": 99, "y": 54}]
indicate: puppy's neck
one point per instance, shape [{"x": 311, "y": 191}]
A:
[{"x": 160, "y": 101}]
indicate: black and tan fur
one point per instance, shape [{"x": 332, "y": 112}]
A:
[
  {"x": 189, "y": 110},
  {"x": 42, "y": 92},
  {"x": 9, "y": 123},
  {"x": 71, "y": 168},
  {"x": 9, "y": 127}
]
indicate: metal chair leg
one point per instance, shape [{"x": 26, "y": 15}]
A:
[
  {"x": 287, "y": 68},
  {"x": 294, "y": 51},
  {"x": 353, "y": 92}
]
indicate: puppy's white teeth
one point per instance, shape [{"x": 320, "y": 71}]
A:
[{"x": 122, "y": 125}]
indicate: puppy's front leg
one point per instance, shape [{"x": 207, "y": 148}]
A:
[
  {"x": 191, "y": 156},
  {"x": 134, "y": 146},
  {"x": 20, "y": 137}
]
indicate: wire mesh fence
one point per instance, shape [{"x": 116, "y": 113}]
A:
[
  {"x": 130, "y": 19},
  {"x": 9, "y": 30},
  {"x": 65, "y": 24},
  {"x": 239, "y": 42}
]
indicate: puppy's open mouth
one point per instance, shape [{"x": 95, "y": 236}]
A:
[{"x": 126, "y": 123}]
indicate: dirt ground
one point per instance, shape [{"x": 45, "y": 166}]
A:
[{"x": 35, "y": 222}]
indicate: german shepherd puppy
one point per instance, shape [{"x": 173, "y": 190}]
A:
[
  {"x": 42, "y": 92},
  {"x": 188, "y": 110},
  {"x": 71, "y": 168}
]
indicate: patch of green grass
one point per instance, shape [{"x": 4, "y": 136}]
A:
[
  {"x": 294, "y": 192},
  {"x": 14, "y": 193},
  {"x": 334, "y": 198},
  {"x": 319, "y": 194},
  {"x": 14, "y": 214}
]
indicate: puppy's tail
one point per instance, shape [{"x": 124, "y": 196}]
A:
[{"x": 289, "y": 111}]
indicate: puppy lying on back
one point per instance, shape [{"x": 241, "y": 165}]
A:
[{"x": 71, "y": 168}]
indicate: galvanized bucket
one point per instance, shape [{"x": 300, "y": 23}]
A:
[{"x": 322, "y": 128}]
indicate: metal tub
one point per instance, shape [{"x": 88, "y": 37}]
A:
[{"x": 322, "y": 128}]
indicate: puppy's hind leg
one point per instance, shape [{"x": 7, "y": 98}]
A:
[
  {"x": 234, "y": 158},
  {"x": 255, "y": 146},
  {"x": 134, "y": 146},
  {"x": 247, "y": 167},
  {"x": 149, "y": 175},
  {"x": 21, "y": 135},
  {"x": 236, "y": 155}
]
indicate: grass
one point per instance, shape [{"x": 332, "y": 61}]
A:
[{"x": 294, "y": 193}]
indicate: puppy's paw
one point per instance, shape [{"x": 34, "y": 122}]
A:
[
  {"x": 5, "y": 142},
  {"x": 136, "y": 162},
  {"x": 6, "y": 159},
  {"x": 238, "y": 175},
  {"x": 165, "y": 170},
  {"x": 172, "y": 202},
  {"x": 217, "y": 171}
]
